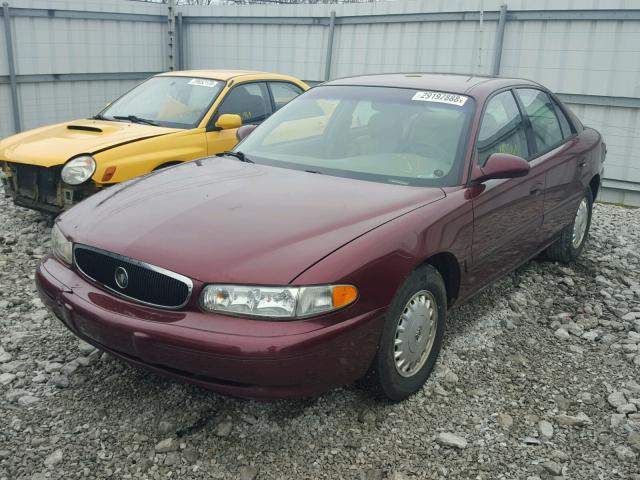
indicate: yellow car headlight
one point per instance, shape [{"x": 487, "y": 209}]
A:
[{"x": 78, "y": 170}]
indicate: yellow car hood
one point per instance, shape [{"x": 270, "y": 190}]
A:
[{"x": 55, "y": 144}]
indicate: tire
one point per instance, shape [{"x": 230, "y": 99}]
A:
[
  {"x": 423, "y": 287},
  {"x": 565, "y": 250}
]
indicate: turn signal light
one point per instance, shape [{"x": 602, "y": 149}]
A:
[
  {"x": 108, "y": 174},
  {"x": 344, "y": 295}
]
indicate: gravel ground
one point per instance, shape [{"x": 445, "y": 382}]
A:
[{"x": 537, "y": 380}]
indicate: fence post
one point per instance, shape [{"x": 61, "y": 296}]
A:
[
  {"x": 332, "y": 27},
  {"x": 180, "y": 41},
  {"x": 12, "y": 67},
  {"x": 171, "y": 31},
  {"x": 502, "y": 21}
]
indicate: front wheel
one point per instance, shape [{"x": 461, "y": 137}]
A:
[
  {"x": 573, "y": 237},
  {"x": 412, "y": 335}
]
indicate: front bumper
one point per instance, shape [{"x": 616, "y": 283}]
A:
[
  {"x": 40, "y": 188},
  {"x": 186, "y": 346}
]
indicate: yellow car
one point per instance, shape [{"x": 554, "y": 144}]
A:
[{"x": 170, "y": 118}]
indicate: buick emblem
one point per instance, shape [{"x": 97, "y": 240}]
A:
[{"x": 122, "y": 278}]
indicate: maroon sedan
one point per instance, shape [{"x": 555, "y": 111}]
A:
[{"x": 331, "y": 243}]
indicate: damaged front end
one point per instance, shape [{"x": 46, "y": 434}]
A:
[{"x": 41, "y": 188}]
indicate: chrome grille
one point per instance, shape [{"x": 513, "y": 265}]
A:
[{"x": 145, "y": 283}]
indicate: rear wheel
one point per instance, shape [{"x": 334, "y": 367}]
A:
[
  {"x": 412, "y": 335},
  {"x": 573, "y": 237}
]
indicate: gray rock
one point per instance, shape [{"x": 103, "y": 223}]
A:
[
  {"x": 546, "y": 429},
  {"x": 553, "y": 468},
  {"x": 617, "y": 399},
  {"x": 248, "y": 473},
  {"x": 51, "y": 367},
  {"x": 562, "y": 334},
  {"x": 7, "y": 378},
  {"x": 634, "y": 441},
  {"x": 368, "y": 417},
  {"x": 224, "y": 428},
  {"x": 579, "y": 420},
  {"x": 627, "y": 408},
  {"x": 505, "y": 421},
  {"x": 398, "y": 476},
  {"x": 28, "y": 400},
  {"x": 85, "y": 348},
  {"x": 372, "y": 474},
  {"x": 4, "y": 356},
  {"x": 13, "y": 395},
  {"x": 60, "y": 381},
  {"x": 531, "y": 441},
  {"x": 448, "y": 439},
  {"x": 165, "y": 427},
  {"x": 54, "y": 458},
  {"x": 166, "y": 445},
  {"x": 40, "y": 378},
  {"x": 625, "y": 453}
]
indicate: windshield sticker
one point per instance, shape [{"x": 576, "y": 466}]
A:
[
  {"x": 441, "y": 97},
  {"x": 203, "y": 82}
]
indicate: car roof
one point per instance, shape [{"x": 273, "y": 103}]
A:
[
  {"x": 223, "y": 75},
  {"x": 470, "y": 84}
]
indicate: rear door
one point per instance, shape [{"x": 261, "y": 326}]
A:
[
  {"x": 251, "y": 101},
  {"x": 556, "y": 151},
  {"x": 508, "y": 213}
]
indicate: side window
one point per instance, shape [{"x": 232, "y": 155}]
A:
[
  {"x": 250, "y": 101},
  {"x": 502, "y": 129},
  {"x": 283, "y": 93},
  {"x": 542, "y": 116},
  {"x": 565, "y": 125}
]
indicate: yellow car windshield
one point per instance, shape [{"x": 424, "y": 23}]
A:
[{"x": 177, "y": 102}]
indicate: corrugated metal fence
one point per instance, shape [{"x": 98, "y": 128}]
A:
[{"x": 67, "y": 58}]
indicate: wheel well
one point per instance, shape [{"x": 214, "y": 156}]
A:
[
  {"x": 165, "y": 165},
  {"x": 447, "y": 265},
  {"x": 595, "y": 186}
]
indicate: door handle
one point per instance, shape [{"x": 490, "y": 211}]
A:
[{"x": 582, "y": 163}]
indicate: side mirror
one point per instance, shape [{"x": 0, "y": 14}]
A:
[
  {"x": 244, "y": 131},
  {"x": 501, "y": 165},
  {"x": 228, "y": 121}
]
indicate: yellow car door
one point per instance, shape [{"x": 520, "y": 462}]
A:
[{"x": 250, "y": 101}]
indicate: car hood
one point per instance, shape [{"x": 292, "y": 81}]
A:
[
  {"x": 221, "y": 220},
  {"x": 55, "y": 144}
]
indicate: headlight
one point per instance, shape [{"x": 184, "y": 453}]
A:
[
  {"x": 277, "y": 302},
  {"x": 78, "y": 170},
  {"x": 60, "y": 246}
]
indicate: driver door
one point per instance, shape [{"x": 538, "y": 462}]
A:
[
  {"x": 249, "y": 100},
  {"x": 508, "y": 213}
]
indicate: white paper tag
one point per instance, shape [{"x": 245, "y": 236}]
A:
[
  {"x": 203, "y": 82},
  {"x": 441, "y": 97}
]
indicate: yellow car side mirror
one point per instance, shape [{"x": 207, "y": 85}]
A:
[{"x": 229, "y": 121}]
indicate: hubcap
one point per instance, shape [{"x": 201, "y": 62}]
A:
[
  {"x": 580, "y": 223},
  {"x": 415, "y": 333}
]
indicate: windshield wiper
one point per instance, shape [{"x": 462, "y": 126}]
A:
[
  {"x": 239, "y": 155},
  {"x": 98, "y": 117},
  {"x": 313, "y": 171},
  {"x": 135, "y": 119}
]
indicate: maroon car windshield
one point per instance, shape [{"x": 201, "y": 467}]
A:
[{"x": 382, "y": 134}]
